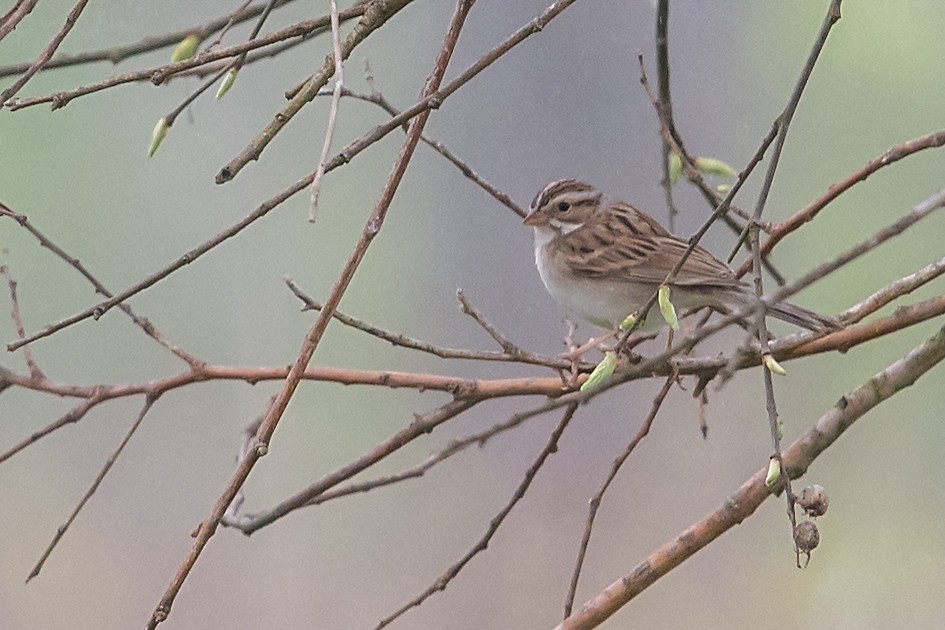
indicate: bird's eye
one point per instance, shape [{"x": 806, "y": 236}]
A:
[{"x": 563, "y": 206}]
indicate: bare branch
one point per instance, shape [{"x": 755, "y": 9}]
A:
[
  {"x": 120, "y": 53},
  {"x": 61, "y": 531},
  {"x": 599, "y": 496},
  {"x": 332, "y": 112},
  {"x": 47, "y": 53}
]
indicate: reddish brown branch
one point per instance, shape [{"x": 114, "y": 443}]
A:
[{"x": 783, "y": 349}]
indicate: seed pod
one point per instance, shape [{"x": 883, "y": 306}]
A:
[{"x": 813, "y": 499}]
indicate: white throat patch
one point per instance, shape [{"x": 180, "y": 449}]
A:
[{"x": 565, "y": 228}]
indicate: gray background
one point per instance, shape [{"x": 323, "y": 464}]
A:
[{"x": 566, "y": 103}]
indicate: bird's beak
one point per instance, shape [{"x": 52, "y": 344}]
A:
[{"x": 532, "y": 218}]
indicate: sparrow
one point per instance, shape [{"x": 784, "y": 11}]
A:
[{"x": 604, "y": 260}]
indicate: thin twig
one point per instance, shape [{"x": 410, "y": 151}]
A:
[
  {"x": 673, "y": 138},
  {"x": 142, "y": 322},
  {"x": 231, "y": 22},
  {"x": 893, "y": 155},
  {"x": 47, "y": 53},
  {"x": 466, "y": 307},
  {"x": 332, "y": 112},
  {"x": 454, "y": 447},
  {"x": 381, "y": 101},
  {"x": 118, "y": 54},
  {"x": 443, "y": 580},
  {"x": 70, "y": 417},
  {"x": 599, "y": 495},
  {"x": 761, "y": 325},
  {"x": 13, "y": 17},
  {"x": 233, "y": 65},
  {"x": 160, "y": 74},
  {"x": 61, "y": 531},
  {"x": 666, "y": 103},
  {"x": 31, "y": 365},
  {"x": 893, "y": 291},
  {"x": 404, "y": 341},
  {"x": 421, "y": 425},
  {"x": 434, "y": 100}
]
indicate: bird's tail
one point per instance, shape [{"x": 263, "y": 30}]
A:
[{"x": 800, "y": 316}]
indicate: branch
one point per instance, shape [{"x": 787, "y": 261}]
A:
[
  {"x": 61, "y": 531},
  {"x": 403, "y": 341},
  {"x": 274, "y": 414},
  {"x": 332, "y": 112},
  {"x": 120, "y": 53},
  {"x": 47, "y": 52},
  {"x": 797, "y": 459},
  {"x": 142, "y": 322},
  {"x": 431, "y": 101},
  {"x": 599, "y": 496},
  {"x": 343, "y": 157},
  {"x": 14, "y": 16},
  {"x": 161, "y": 74},
  {"x": 893, "y": 155}
]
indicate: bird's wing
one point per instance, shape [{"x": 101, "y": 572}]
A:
[{"x": 623, "y": 243}]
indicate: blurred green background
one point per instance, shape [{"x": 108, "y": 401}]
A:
[{"x": 567, "y": 103}]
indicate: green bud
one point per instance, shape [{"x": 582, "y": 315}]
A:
[
  {"x": 157, "y": 135},
  {"x": 675, "y": 167},
  {"x": 186, "y": 49},
  {"x": 715, "y": 166},
  {"x": 628, "y": 322},
  {"x": 723, "y": 189},
  {"x": 601, "y": 373},
  {"x": 667, "y": 308},
  {"x": 773, "y": 366},
  {"x": 228, "y": 80},
  {"x": 774, "y": 472}
]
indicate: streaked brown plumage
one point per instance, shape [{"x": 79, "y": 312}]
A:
[{"x": 604, "y": 261}]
